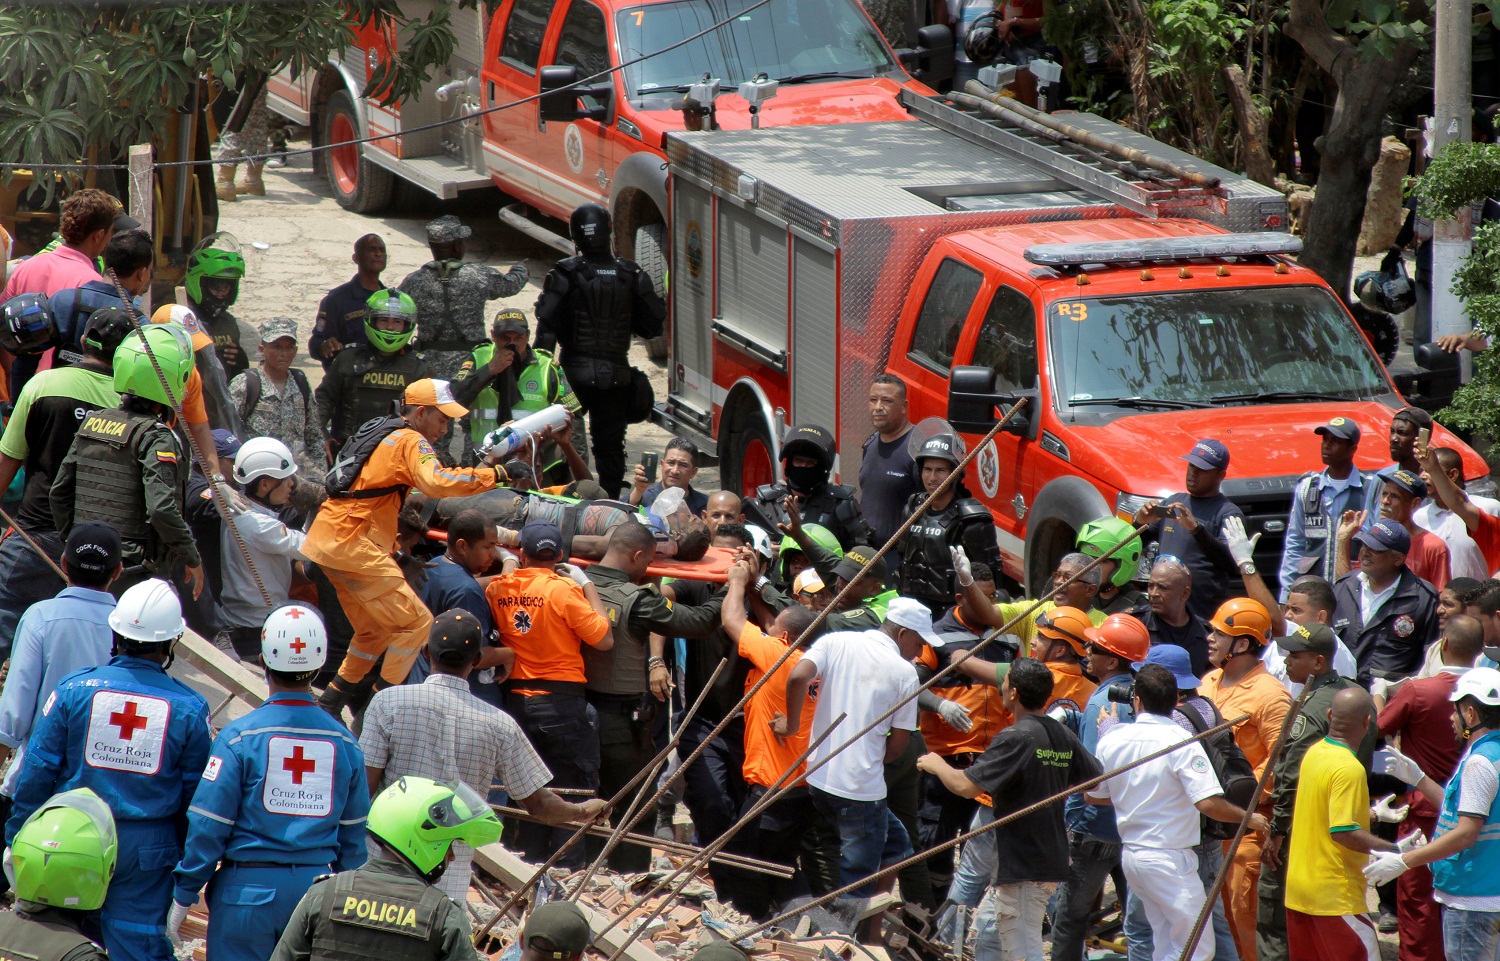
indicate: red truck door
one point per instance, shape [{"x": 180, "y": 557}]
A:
[
  {"x": 570, "y": 156},
  {"x": 969, "y": 315},
  {"x": 510, "y": 74}
]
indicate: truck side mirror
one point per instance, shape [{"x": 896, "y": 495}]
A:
[
  {"x": 973, "y": 399},
  {"x": 933, "y": 55},
  {"x": 559, "y": 98}
]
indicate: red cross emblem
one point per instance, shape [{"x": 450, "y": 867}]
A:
[
  {"x": 298, "y": 645},
  {"x": 295, "y": 613},
  {"x": 128, "y": 721},
  {"x": 298, "y": 764}
]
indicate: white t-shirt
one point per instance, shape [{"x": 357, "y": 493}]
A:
[
  {"x": 1465, "y": 559},
  {"x": 1155, "y": 804},
  {"x": 1476, "y": 794},
  {"x": 861, "y": 674}
]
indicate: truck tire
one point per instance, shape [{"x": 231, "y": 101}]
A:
[
  {"x": 356, "y": 183},
  {"x": 746, "y": 463},
  {"x": 651, "y": 255}
]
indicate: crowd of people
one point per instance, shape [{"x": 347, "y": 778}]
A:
[{"x": 486, "y": 618}]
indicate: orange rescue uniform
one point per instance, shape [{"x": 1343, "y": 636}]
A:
[
  {"x": 767, "y": 757},
  {"x": 542, "y": 615}
]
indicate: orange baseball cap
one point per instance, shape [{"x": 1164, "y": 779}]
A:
[
  {"x": 434, "y": 393},
  {"x": 185, "y": 318}
]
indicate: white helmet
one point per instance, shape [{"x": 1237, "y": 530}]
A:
[
  {"x": 149, "y": 613},
  {"x": 263, "y": 457},
  {"x": 293, "y": 640},
  {"x": 1480, "y": 683}
]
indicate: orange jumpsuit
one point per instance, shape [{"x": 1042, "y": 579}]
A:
[{"x": 353, "y": 539}]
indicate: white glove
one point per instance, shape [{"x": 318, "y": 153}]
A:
[
  {"x": 1380, "y": 687},
  {"x": 175, "y": 917},
  {"x": 1241, "y": 548},
  {"x": 10, "y": 868},
  {"x": 573, "y": 573},
  {"x": 1384, "y": 867},
  {"x": 1403, "y": 767},
  {"x": 1412, "y": 841},
  {"x": 962, "y": 567},
  {"x": 233, "y": 499},
  {"x": 955, "y": 715},
  {"x": 1385, "y": 810}
]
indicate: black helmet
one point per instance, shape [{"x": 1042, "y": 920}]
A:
[
  {"x": 810, "y": 440},
  {"x": 981, "y": 40},
  {"x": 945, "y": 447},
  {"x": 590, "y": 228},
  {"x": 106, "y": 328},
  {"x": 27, "y": 325}
]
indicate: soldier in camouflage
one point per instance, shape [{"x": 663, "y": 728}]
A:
[{"x": 450, "y": 297}]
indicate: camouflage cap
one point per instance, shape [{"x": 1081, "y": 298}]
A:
[
  {"x": 277, "y": 328},
  {"x": 447, "y": 229}
]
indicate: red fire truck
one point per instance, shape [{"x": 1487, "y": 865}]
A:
[{"x": 1139, "y": 297}]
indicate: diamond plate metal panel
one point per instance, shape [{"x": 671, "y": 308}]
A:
[
  {"x": 468, "y": 37},
  {"x": 815, "y": 333}
]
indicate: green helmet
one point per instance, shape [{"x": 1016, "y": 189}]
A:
[
  {"x": 64, "y": 855},
  {"x": 420, "y": 819},
  {"x": 134, "y": 373},
  {"x": 390, "y": 303},
  {"x": 1098, "y": 536},
  {"x": 821, "y": 536},
  {"x": 217, "y": 255}
]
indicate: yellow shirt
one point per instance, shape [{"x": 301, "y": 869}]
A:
[
  {"x": 1323, "y": 877},
  {"x": 1025, "y": 628}
]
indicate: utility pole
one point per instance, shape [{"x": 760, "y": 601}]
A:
[{"x": 1452, "y": 120}]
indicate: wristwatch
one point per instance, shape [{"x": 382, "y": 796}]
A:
[{"x": 1247, "y": 568}]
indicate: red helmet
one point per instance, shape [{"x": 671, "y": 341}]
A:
[
  {"x": 1243, "y": 617},
  {"x": 1067, "y": 624},
  {"x": 1123, "y": 636}
]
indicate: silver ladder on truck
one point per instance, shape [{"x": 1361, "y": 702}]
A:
[{"x": 1085, "y": 151}]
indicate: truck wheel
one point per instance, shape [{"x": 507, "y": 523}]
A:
[
  {"x": 747, "y": 463},
  {"x": 651, "y": 254},
  {"x": 357, "y": 184}
]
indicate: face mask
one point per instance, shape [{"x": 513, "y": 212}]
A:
[{"x": 805, "y": 478}]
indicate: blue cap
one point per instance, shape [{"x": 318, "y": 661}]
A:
[
  {"x": 1208, "y": 454},
  {"x": 226, "y": 445},
  {"x": 541, "y": 540},
  {"x": 1174, "y": 659},
  {"x": 1341, "y": 427},
  {"x": 1406, "y": 480},
  {"x": 1385, "y": 535}
]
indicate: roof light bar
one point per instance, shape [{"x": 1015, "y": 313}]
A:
[{"x": 1263, "y": 244}]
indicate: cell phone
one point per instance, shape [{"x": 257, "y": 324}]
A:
[
  {"x": 648, "y": 461},
  {"x": 1161, "y": 510},
  {"x": 1424, "y": 437}
]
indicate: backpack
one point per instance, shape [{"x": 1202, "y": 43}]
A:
[
  {"x": 353, "y": 455},
  {"x": 1230, "y": 765},
  {"x": 253, "y": 390}
]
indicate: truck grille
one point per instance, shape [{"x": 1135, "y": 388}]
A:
[{"x": 1266, "y": 503}]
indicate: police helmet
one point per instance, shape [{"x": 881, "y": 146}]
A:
[
  {"x": 590, "y": 227},
  {"x": 65, "y": 853},
  {"x": 419, "y": 819}
]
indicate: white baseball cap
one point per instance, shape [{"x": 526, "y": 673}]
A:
[{"x": 914, "y": 616}]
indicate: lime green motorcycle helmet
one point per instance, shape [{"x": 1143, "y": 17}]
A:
[
  {"x": 217, "y": 255},
  {"x": 64, "y": 855},
  {"x": 134, "y": 373},
  {"x": 1098, "y": 536},
  {"x": 390, "y": 303},
  {"x": 820, "y": 535},
  {"x": 420, "y": 819}
]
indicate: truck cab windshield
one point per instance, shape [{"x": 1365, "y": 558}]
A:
[
  {"x": 1207, "y": 348},
  {"x": 795, "y": 41}
]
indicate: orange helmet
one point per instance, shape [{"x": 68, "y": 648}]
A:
[
  {"x": 1243, "y": 617},
  {"x": 1123, "y": 636},
  {"x": 1066, "y": 624}
]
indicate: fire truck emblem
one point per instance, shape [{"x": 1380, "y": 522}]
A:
[
  {"x": 989, "y": 469},
  {"x": 573, "y": 147},
  {"x": 694, "y": 248}
]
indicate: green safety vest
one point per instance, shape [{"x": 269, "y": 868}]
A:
[{"x": 538, "y": 383}]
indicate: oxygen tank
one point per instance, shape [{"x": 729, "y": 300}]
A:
[{"x": 508, "y": 438}]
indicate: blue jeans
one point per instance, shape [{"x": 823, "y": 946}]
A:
[
  {"x": 1471, "y": 935},
  {"x": 1089, "y": 862},
  {"x": 976, "y": 863},
  {"x": 870, "y": 837},
  {"x": 249, "y": 907},
  {"x": 25, "y": 579},
  {"x": 1138, "y": 930}
]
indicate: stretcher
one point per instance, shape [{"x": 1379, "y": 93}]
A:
[{"x": 712, "y": 567}]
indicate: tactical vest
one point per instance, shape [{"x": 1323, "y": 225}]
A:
[
  {"x": 1475, "y": 871},
  {"x": 368, "y": 916},
  {"x": 371, "y": 384},
  {"x": 40, "y": 937},
  {"x": 537, "y": 383},
  {"x": 1317, "y": 527},
  {"x": 926, "y": 571},
  {"x": 601, "y": 297},
  {"x": 109, "y": 483},
  {"x": 622, "y": 668},
  {"x": 834, "y": 507}
]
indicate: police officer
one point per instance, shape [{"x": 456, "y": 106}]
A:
[
  {"x": 1095, "y": 538},
  {"x": 62, "y": 859},
  {"x": 616, "y": 682},
  {"x": 1320, "y": 499},
  {"x": 806, "y": 460},
  {"x": 505, "y": 378},
  {"x": 139, "y": 739},
  {"x": 926, "y": 570},
  {"x": 591, "y": 304},
  {"x": 127, "y": 468},
  {"x": 366, "y": 379},
  {"x": 389, "y": 909},
  {"x": 214, "y": 269},
  {"x": 283, "y": 797},
  {"x": 555, "y": 931},
  {"x": 863, "y": 608}
]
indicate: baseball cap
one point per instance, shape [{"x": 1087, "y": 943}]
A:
[
  {"x": 277, "y": 328},
  {"x": 93, "y": 546},
  {"x": 1414, "y": 415},
  {"x": 1176, "y": 660},
  {"x": 434, "y": 393},
  {"x": 1341, "y": 427},
  {"x": 541, "y": 540},
  {"x": 1317, "y": 638},
  {"x": 124, "y": 222},
  {"x": 719, "y": 951},
  {"x": 1385, "y": 535},
  {"x": 511, "y": 320},
  {"x": 226, "y": 444},
  {"x": 562, "y": 926},
  {"x": 1406, "y": 480},
  {"x": 1208, "y": 454},
  {"x": 854, "y": 561},
  {"x": 446, "y": 229},
  {"x": 808, "y": 582},
  {"x": 914, "y": 616},
  {"x": 185, "y": 318},
  {"x": 455, "y": 637}
]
